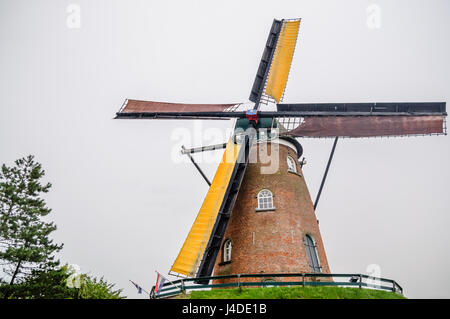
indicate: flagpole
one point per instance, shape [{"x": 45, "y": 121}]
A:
[
  {"x": 168, "y": 280},
  {"x": 139, "y": 286}
]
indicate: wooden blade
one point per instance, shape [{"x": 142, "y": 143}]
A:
[
  {"x": 282, "y": 59},
  {"x": 363, "y": 119},
  {"x": 368, "y": 126},
  {"x": 135, "y": 109},
  {"x": 192, "y": 252},
  {"x": 273, "y": 70}
]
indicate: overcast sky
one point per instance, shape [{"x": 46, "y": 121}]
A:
[{"x": 122, "y": 200}]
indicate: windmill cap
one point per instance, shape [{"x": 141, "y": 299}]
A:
[{"x": 296, "y": 144}]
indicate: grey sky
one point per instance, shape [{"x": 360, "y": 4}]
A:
[{"x": 123, "y": 207}]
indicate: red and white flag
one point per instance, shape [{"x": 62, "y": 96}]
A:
[{"x": 159, "y": 283}]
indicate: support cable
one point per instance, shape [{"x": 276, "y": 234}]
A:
[
  {"x": 196, "y": 166},
  {"x": 326, "y": 172}
]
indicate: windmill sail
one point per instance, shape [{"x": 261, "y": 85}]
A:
[
  {"x": 366, "y": 119},
  {"x": 273, "y": 70},
  {"x": 264, "y": 64},
  {"x": 136, "y": 109},
  {"x": 192, "y": 251},
  {"x": 357, "y": 126},
  {"x": 282, "y": 59}
]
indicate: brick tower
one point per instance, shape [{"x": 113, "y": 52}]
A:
[{"x": 273, "y": 227}]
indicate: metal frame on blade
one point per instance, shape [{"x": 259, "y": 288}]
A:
[
  {"x": 307, "y": 109},
  {"x": 261, "y": 114},
  {"x": 371, "y": 107},
  {"x": 269, "y": 62}
]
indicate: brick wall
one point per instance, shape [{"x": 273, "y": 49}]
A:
[{"x": 272, "y": 241}]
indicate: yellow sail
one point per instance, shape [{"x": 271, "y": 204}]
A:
[
  {"x": 191, "y": 253},
  {"x": 282, "y": 58}
]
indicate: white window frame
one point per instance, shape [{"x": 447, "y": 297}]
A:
[
  {"x": 292, "y": 165},
  {"x": 265, "y": 199},
  {"x": 227, "y": 249}
]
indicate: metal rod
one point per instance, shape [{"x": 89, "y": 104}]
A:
[
  {"x": 198, "y": 167},
  {"x": 134, "y": 284},
  {"x": 203, "y": 148},
  {"x": 261, "y": 114},
  {"x": 326, "y": 172},
  {"x": 171, "y": 281}
]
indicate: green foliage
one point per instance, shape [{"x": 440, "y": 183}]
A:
[
  {"x": 321, "y": 292},
  {"x": 25, "y": 245},
  {"x": 30, "y": 270},
  {"x": 41, "y": 284},
  {"x": 53, "y": 284},
  {"x": 94, "y": 288}
]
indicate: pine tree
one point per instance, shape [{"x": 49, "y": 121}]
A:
[{"x": 24, "y": 235}]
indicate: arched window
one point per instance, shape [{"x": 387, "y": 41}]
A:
[
  {"x": 227, "y": 250},
  {"x": 265, "y": 199},
  {"x": 292, "y": 167},
  {"x": 311, "y": 251}
]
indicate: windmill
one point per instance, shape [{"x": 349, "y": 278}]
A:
[{"x": 231, "y": 190}]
